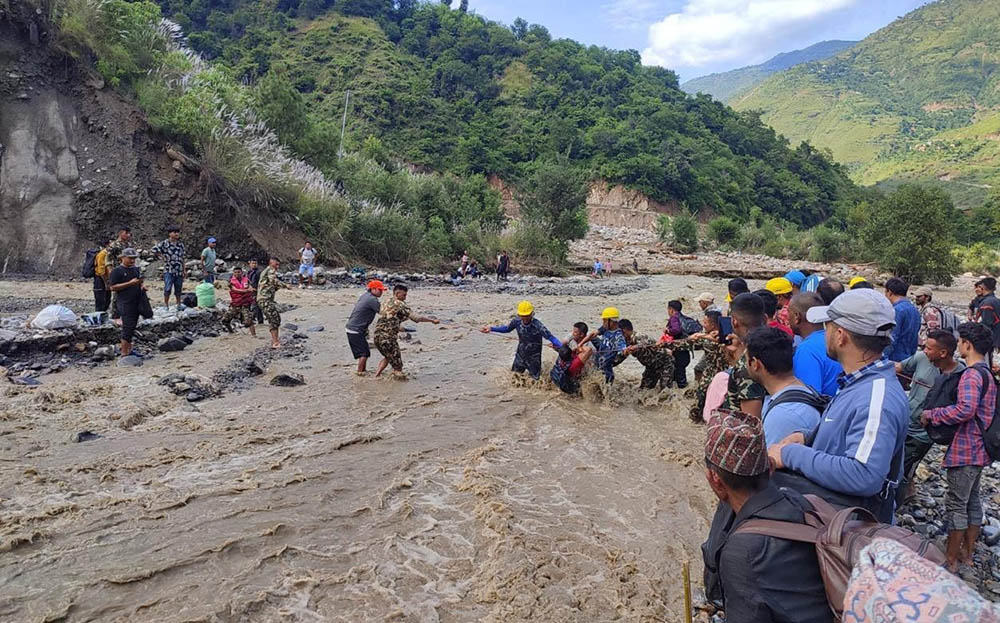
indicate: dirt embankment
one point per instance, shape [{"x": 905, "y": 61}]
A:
[{"x": 77, "y": 160}]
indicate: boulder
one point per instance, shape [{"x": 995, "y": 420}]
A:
[
  {"x": 290, "y": 327},
  {"x": 171, "y": 344},
  {"x": 288, "y": 380},
  {"x": 130, "y": 361}
]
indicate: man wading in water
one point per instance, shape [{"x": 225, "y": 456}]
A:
[
  {"x": 269, "y": 285},
  {"x": 361, "y": 318},
  {"x": 530, "y": 333},
  {"x": 393, "y": 313}
]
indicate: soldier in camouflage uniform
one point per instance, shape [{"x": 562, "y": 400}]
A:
[
  {"x": 712, "y": 362},
  {"x": 657, "y": 359},
  {"x": 267, "y": 287},
  {"x": 744, "y": 394},
  {"x": 390, "y": 316},
  {"x": 111, "y": 261}
]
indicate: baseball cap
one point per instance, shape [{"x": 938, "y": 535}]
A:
[
  {"x": 211, "y": 239},
  {"x": 705, "y": 297},
  {"x": 375, "y": 284},
  {"x": 129, "y": 252},
  {"x": 865, "y": 312},
  {"x": 923, "y": 291}
]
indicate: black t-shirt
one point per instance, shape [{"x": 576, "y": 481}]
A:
[{"x": 129, "y": 297}]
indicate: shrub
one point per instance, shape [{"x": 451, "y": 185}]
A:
[
  {"x": 724, "y": 230},
  {"x": 979, "y": 258},
  {"x": 910, "y": 233},
  {"x": 664, "y": 227},
  {"x": 555, "y": 198},
  {"x": 685, "y": 229},
  {"x": 829, "y": 245}
]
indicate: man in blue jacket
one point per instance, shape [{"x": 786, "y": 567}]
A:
[
  {"x": 907, "y": 332},
  {"x": 857, "y": 449}
]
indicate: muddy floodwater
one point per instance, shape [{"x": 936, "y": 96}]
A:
[{"x": 457, "y": 495}]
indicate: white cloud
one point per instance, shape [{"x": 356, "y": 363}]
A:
[{"x": 706, "y": 32}]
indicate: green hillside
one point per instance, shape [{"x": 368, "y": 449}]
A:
[
  {"x": 916, "y": 101},
  {"x": 728, "y": 84},
  {"x": 452, "y": 91}
]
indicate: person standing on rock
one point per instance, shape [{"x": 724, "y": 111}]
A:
[
  {"x": 361, "y": 318},
  {"x": 464, "y": 265},
  {"x": 503, "y": 266},
  {"x": 253, "y": 275},
  {"x": 126, "y": 281},
  {"x": 268, "y": 286},
  {"x": 102, "y": 292},
  {"x": 112, "y": 259},
  {"x": 530, "y": 335},
  {"x": 922, "y": 370},
  {"x": 241, "y": 298},
  {"x": 988, "y": 308},
  {"x": 171, "y": 251},
  {"x": 208, "y": 257},
  {"x": 307, "y": 264},
  {"x": 392, "y": 313},
  {"x": 967, "y": 456}
]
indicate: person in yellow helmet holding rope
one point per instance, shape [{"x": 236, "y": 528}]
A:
[
  {"x": 530, "y": 334},
  {"x": 611, "y": 343}
]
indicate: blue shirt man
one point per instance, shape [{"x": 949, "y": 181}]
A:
[
  {"x": 857, "y": 449},
  {"x": 907, "y": 332},
  {"x": 814, "y": 367}
]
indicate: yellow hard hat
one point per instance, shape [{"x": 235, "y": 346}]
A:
[
  {"x": 855, "y": 281},
  {"x": 778, "y": 286},
  {"x": 610, "y": 313},
  {"x": 524, "y": 308}
]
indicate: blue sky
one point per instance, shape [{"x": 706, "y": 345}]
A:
[{"x": 697, "y": 37}]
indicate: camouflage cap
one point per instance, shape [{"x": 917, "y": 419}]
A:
[{"x": 735, "y": 443}]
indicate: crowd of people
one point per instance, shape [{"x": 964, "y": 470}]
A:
[
  {"x": 810, "y": 388},
  {"x": 120, "y": 287}
]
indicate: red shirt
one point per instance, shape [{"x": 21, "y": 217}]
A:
[
  {"x": 778, "y": 325},
  {"x": 240, "y": 299}
]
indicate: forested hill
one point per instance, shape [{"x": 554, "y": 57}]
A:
[
  {"x": 726, "y": 85},
  {"x": 453, "y": 91},
  {"x": 918, "y": 100}
]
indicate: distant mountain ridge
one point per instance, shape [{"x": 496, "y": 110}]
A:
[
  {"x": 918, "y": 100},
  {"x": 724, "y": 86}
]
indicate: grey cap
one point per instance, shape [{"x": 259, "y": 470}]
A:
[
  {"x": 129, "y": 252},
  {"x": 865, "y": 312}
]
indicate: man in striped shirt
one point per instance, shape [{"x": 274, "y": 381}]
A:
[
  {"x": 966, "y": 456},
  {"x": 857, "y": 449}
]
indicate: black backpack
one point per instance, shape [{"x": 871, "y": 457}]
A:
[
  {"x": 690, "y": 326},
  {"x": 88, "y": 263},
  {"x": 944, "y": 393},
  {"x": 805, "y": 396}
]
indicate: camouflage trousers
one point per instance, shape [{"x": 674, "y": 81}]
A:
[
  {"x": 243, "y": 312},
  {"x": 270, "y": 311},
  {"x": 389, "y": 347},
  {"x": 660, "y": 374}
]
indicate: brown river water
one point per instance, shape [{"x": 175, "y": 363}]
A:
[{"x": 457, "y": 495}]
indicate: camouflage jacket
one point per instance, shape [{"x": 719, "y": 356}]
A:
[
  {"x": 649, "y": 353},
  {"x": 390, "y": 316},
  {"x": 741, "y": 386},
  {"x": 715, "y": 356},
  {"x": 268, "y": 285}
]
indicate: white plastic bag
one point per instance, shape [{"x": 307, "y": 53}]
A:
[{"x": 54, "y": 317}]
